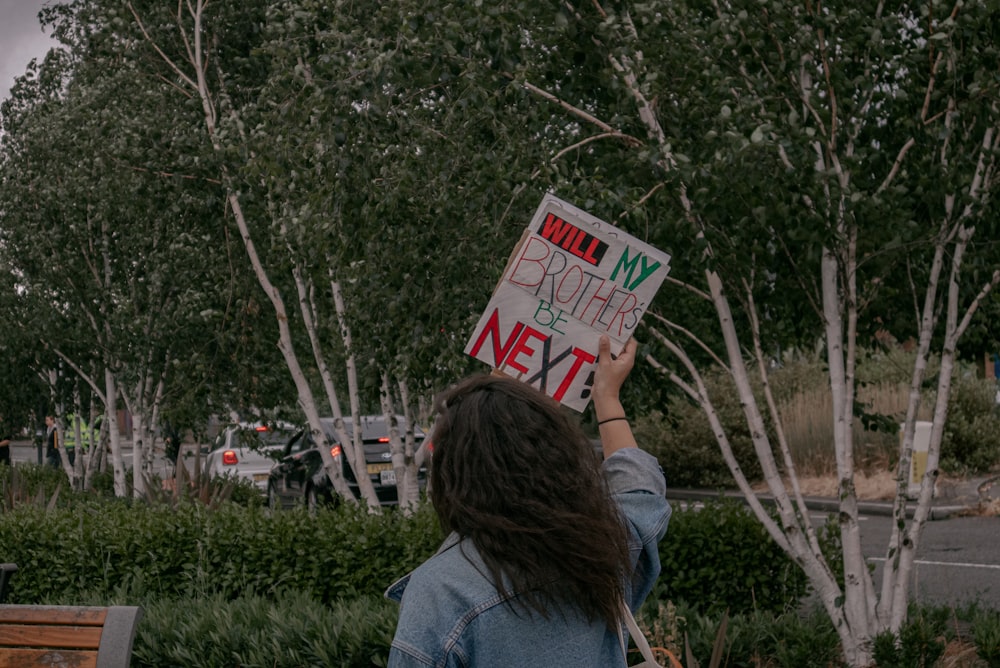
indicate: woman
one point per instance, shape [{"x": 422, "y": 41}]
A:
[{"x": 546, "y": 543}]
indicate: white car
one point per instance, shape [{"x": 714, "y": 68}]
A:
[{"x": 246, "y": 451}]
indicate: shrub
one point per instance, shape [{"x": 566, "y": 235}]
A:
[
  {"x": 969, "y": 444},
  {"x": 752, "y": 639},
  {"x": 805, "y": 642},
  {"x": 685, "y": 445},
  {"x": 722, "y": 558},
  {"x": 31, "y": 484},
  {"x": 193, "y": 550},
  {"x": 919, "y": 643},
  {"x": 289, "y": 630},
  {"x": 986, "y": 636}
]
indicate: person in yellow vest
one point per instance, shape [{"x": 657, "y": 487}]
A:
[
  {"x": 52, "y": 442},
  {"x": 69, "y": 437}
]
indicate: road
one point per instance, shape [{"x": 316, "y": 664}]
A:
[
  {"x": 958, "y": 558},
  {"x": 23, "y": 451}
]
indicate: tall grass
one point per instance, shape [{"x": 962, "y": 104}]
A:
[
  {"x": 806, "y": 408},
  {"x": 808, "y": 424}
]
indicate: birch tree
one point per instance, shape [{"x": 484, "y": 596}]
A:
[
  {"x": 829, "y": 146},
  {"x": 808, "y": 168},
  {"x": 306, "y": 133},
  {"x": 95, "y": 224}
]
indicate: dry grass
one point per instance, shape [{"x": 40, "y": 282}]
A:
[
  {"x": 990, "y": 508},
  {"x": 960, "y": 653},
  {"x": 808, "y": 426}
]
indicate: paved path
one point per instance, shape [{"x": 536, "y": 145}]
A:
[
  {"x": 26, "y": 451},
  {"x": 951, "y": 498}
]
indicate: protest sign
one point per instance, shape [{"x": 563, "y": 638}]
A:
[{"x": 572, "y": 278}]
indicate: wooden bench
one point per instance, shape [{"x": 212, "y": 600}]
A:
[{"x": 63, "y": 636}]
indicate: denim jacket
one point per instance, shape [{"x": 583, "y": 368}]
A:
[{"x": 452, "y": 616}]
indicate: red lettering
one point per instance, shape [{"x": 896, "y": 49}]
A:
[
  {"x": 580, "y": 238},
  {"x": 627, "y": 306},
  {"x": 529, "y": 270},
  {"x": 555, "y": 229},
  {"x": 522, "y": 348},
  {"x": 492, "y": 329},
  {"x": 589, "y": 254},
  {"x": 567, "y": 242},
  {"x": 575, "y": 275},
  {"x": 582, "y": 357},
  {"x": 573, "y": 239},
  {"x": 598, "y": 300}
]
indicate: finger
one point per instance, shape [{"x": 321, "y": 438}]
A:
[
  {"x": 604, "y": 348},
  {"x": 627, "y": 354},
  {"x": 631, "y": 346}
]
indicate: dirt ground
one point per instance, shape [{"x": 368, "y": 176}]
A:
[{"x": 870, "y": 487}]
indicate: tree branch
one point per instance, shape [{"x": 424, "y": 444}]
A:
[
  {"x": 177, "y": 70},
  {"x": 896, "y": 165}
]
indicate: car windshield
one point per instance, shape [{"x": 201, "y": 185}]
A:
[
  {"x": 373, "y": 428},
  {"x": 252, "y": 437},
  {"x": 273, "y": 438}
]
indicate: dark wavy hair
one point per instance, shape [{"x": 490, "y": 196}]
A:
[{"x": 513, "y": 474}]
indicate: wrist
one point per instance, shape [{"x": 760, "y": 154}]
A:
[
  {"x": 612, "y": 419},
  {"x": 608, "y": 408}
]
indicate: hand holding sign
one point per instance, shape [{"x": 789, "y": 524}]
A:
[
  {"x": 612, "y": 370},
  {"x": 572, "y": 276}
]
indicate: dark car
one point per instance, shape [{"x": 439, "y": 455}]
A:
[{"x": 299, "y": 477}]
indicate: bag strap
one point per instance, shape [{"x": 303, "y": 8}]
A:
[{"x": 638, "y": 638}]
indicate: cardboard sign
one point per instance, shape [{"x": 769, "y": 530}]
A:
[{"x": 572, "y": 278}]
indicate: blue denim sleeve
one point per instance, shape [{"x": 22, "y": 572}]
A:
[{"x": 638, "y": 486}]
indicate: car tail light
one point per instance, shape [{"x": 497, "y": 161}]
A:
[
  {"x": 384, "y": 439},
  {"x": 229, "y": 458},
  {"x": 263, "y": 428},
  {"x": 335, "y": 451}
]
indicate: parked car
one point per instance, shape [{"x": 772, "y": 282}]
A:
[
  {"x": 299, "y": 477},
  {"x": 247, "y": 451}
]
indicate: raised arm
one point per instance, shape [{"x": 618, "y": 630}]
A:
[{"x": 612, "y": 420}]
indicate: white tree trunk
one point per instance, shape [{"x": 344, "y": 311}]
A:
[
  {"x": 410, "y": 495},
  {"x": 400, "y": 447},
  {"x": 114, "y": 437},
  {"x": 358, "y": 464},
  {"x": 198, "y": 83},
  {"x": 307, "y": 307}
]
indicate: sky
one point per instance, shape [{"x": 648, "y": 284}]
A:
[{"x": 21, "y": 39}]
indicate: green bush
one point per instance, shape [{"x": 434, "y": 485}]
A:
[
  {"x": 722, "y": 558},
  {"x": 986, "y": 636},
  {"x": 919, "y": 644},
  {"x": 193, "y": 550},
  {"x": 682, "y": 439},
  {"x": 685, "y": 445},
  {"x": 289, "y": 630},
  {"x": 30, "y": 483},
  {"x": 969, "y": 444},
  {"x": 756, "y": 638},
  {"x": 805, "y": 642}
]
